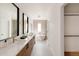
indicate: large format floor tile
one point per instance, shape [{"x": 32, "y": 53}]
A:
[{"x": 41, "y": 49}]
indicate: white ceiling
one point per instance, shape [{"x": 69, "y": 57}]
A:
[
  {"x": 34, "y": 6},
  {"x": 39, "y": 10}
]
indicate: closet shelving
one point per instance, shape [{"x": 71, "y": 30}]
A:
[
  {"x": 71, "y": 14},
  {"x": 71, "y": 35}
]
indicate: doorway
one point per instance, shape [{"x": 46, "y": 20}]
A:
[
  {"x": 40, "y": 29},
  {"x": 71, "y": 29}
]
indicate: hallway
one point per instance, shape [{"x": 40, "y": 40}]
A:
[
  {"x": 22, "y": 20},
  {"x": 41, "y": 49}
]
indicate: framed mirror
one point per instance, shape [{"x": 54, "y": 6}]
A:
[
  {"x": 25, "y": 24},
  {"x": 9, "y": 20}
]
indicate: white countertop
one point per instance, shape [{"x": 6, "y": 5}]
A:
[{"x": 14, "y": 48}]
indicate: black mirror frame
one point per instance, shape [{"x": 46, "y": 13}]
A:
[
  {"x": 17, "y": 18},
  {"x": 23, "y": 23}
]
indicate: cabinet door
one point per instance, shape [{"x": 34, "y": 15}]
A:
[
  {"x": 22, "y": 52},
  {"x": 30, "y": 44}
]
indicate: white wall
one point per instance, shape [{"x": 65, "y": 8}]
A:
[
  {"x": 71, "y": 44},
  {"x": 56, "y": 30},
  {"x": 55, "y": 16},
  {"x": 71, "y": 25},
  {"x": 71, "y": 28}
]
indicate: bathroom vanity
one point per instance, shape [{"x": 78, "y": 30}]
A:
[
  {"x": 21, "y": 47},
  {"x": 27, "y": 49}
]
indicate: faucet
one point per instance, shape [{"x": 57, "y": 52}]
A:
[{"x": 13, "y": 39}]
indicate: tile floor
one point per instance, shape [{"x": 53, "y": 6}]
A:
[{"x": 41, "y": 49}]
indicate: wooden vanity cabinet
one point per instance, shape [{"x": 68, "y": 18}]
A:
[
  {"x": 22, "y": 52},
  {"x": 31, "y": 44},
  {"x": 26, "y": 51}
]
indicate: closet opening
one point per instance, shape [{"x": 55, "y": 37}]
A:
[{"x": 71, "y": 29}]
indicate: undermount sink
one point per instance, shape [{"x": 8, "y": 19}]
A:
[{"x": 23, "y": 37}]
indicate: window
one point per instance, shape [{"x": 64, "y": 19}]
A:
[{"x": 39, "y": 27}]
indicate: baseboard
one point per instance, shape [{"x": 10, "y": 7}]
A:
[{"x": 73, "y": 53}]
